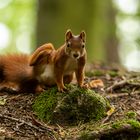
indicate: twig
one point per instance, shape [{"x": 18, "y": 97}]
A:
[
  {"x": 26, "y": 123},
  {"x": 116, "y": 85},
  {"x": 116, "y": 95},
  {"x": 123, "y": 82},
  {"x": 40, "y": 123},
  {"x": 135, "y": 92}
]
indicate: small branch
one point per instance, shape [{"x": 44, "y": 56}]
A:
[
  {"x": 134, "y": 82},
  {"x": 41, "y": 124},
  {"x": 116, "y": 85},
  {"x": 26, "y": 123},
  {"x": 116, "y": 95}
]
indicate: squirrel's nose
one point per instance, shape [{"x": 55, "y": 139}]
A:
[{"x": 75, "y": 55}]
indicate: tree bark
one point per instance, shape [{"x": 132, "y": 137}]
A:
[{"x": 111, "y": 41}]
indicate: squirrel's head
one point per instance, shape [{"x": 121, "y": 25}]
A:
[{"x": 75, "y": 44}]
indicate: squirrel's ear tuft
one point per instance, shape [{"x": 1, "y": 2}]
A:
[
  {"x": 83, "y": 36},
  {"x": 68, "y": 35}
]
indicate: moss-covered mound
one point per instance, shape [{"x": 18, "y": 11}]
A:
[
  {"x": 127, "y": 129},
  {"x": 77, "y": 105}
]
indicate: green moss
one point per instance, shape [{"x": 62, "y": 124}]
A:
[
  {"x": 112, "y": 73},
  {"x": 75, "y": 106},
  {"x": 85, "y": 136},
  {"x": 95, "y": 73},
  {"x": 45, "y": 103},
  {"x": 83, "y": 105},
  {"x": 116, "y": 125},
  {"x": 101, "y": 73},
  {"x": 131, "y": 115},
  {"x": 135, "y": 124},
  {"x": 89, "y": 132}
]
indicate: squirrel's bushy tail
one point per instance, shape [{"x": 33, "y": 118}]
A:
[{"x": 16, "y": 69}]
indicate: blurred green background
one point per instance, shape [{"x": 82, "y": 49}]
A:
[{"x": 112, "y": 27}]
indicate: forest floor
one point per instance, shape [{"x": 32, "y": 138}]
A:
[{"x": 121, "y": 88}]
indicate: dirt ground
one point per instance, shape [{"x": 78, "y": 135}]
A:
[{"x": 18, "y": 121}]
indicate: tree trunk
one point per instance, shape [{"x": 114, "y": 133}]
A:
[
  {"x": 111, "y": 41},
  {"x": 103, "y": 33}
]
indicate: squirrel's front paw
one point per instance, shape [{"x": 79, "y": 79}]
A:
[
  {"x": 62, "y": 89},
  {"x": 39, "y": 89}
]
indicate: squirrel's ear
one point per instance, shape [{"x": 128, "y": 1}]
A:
[
  {"x": 83, "y": 36},
  {"x": 68, "y": 35}
]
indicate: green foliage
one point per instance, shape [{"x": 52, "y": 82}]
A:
[
  {"x": 93, "y": 131},
  {"x": 117, "y": 125},
  {"x": 113, "y": 73},
  {"x": 95, "y": 73},
  {"x": 131, "y": 115},
  {"x": 135, "y": 124},
  {"x": 130, "y": 118},
  {"x": 101, "y": 73},
  {"x": 19, "y": 17},
  {"x": 85, "y": 136},
  {"x": 75, "y": 106}
]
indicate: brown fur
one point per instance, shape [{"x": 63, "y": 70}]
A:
[
  {"x": 41, "y": 57},
  {"x": 46, "y": 66},
  {"x": 65, "y": 61},
  {"x": 17, "y": 69}
]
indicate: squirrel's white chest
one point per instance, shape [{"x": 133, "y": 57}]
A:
[{"x": 47, "y": 76}]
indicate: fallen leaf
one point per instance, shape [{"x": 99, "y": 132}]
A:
[
  {"x": 2, "y": 101},
  {"x": 111, "y": 111},
  {"x": 96, "y": 83}
]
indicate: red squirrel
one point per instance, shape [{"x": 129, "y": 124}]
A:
[
  {"x": 46, "y": 66},
  {"x": 62, "y": 63}
]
